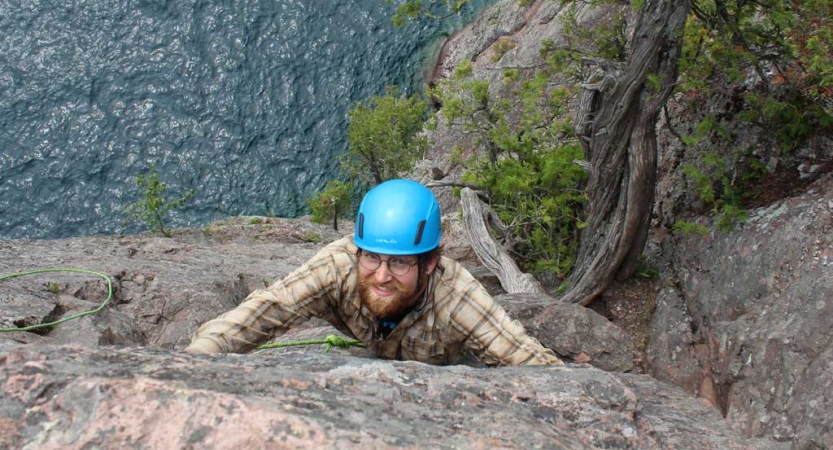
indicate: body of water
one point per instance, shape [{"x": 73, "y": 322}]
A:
[{"x": 243, "y": 101}]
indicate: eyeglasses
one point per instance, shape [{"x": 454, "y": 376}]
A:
[{"x": 397, "y": 265}]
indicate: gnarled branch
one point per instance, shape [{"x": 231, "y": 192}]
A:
[{"x": 490, "y": 252}]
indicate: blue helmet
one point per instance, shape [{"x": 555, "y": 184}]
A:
[{"x": 398, "y": 217}]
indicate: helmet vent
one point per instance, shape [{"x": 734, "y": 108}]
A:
[
  {"x": 420, "y": 229},
  {"x": 361, "y": 226}
]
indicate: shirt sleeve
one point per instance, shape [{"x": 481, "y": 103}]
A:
[
  {"x": 307, "y": 292},
  {"x": 493, "y": 336}
]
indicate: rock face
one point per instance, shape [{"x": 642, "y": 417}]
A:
[
  {"x": 572, "y": 331},
  {"x": 750, "y": 325},
  {"x": 164, "y": 288},
  {"x": 56, "y": 397},
  {"x": 70, "y": 387}
]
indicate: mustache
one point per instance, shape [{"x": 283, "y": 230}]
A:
[{"x": 392, "y": 284}]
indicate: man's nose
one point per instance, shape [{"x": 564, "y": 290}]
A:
[{"x": 383, "y": 274}]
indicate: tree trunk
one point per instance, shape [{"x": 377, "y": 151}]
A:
[{"x": 622, "y": 150}]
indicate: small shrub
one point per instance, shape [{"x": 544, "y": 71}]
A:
[
  {"x": 647, "y": 272},
  {"x": 315, "y": 238},
  {"x": 384, "y": 138},
  {"x": 501, "y": 47},
  {"x": 154, "y": 205},
  {"x": 331, "y": 203},
  {"x": 688, "y": 228},
  {"x": 725, "y": 205},
  {"x": 53, "y": 287}
]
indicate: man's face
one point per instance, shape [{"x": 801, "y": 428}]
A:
[{"x": 392, "y": 288}]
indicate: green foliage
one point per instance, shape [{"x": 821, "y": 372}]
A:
[
  {"x": 314, "y": 238},
  {"x": 785, "y": 48},
  {"x": 536, "y": 193},
  {"x": 751, "y": 175},
  {"x": 53, "y": 287},
  {"x": 819, "y": 48},
  {"x": 602, "y": 40},
  {"x": 463, "y": 70},
  {"x": 708, "y": 129},
  {"x": 501, "y": 47},
  {"x": 410, "y": 10},
  {"x": 710, "y": 126},
  {"x": 526, "y": 165},
  {"x": 384, "y": 137},
  {"x": 457, "y": 156},
  {"x": 790, "y": 123},
  {"x": 511, "y": 75},
  {"x": 384, "y": 140},
  {"x": 255, "y": 221},
  {"x": 154, "y": 205},
  {"x": 561, "y": 59},
  {"x": 331, "y": 203},
  {"x": 407, "y": 11},
  {"x": 605, "y": 40},
  {"x": 653, "y": 83},
  {"x": 688, "y": 228},
  {"x": 725, "y": 203},
  {"x": 730, "y": 215},
  {"x": 647, "y": 272},
  {"x": 810, "y": 39},
  {"x": 702, "y": 183},
  {"x": 434, "y": 9}
]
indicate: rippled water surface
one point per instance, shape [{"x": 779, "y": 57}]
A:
[{"x": 243, "y": 101}]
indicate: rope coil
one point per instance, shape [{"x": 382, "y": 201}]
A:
[
  {"x": 65, "y": 319},
  {"x": 330, "y": 341}
]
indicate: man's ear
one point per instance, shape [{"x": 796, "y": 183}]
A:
[{"x": 430, "y": 265}]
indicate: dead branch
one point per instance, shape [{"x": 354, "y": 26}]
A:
[{"x": 490, "y": 252}]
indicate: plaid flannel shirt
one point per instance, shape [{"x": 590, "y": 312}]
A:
[{"x": 455, "y": 313}]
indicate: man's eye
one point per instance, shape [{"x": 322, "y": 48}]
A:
[
  {"x": 398, "y": 262},
  {"x": 371, "y": 257}
]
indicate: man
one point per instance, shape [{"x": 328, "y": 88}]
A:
[{"x": 389, "y": 287}]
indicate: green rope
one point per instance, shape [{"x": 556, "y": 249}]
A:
[
  {"x": 331, "y": 341},
  {"x": 74, "y": 316}
]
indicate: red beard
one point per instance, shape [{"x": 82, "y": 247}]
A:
[{"x": 391, "y": 307}]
